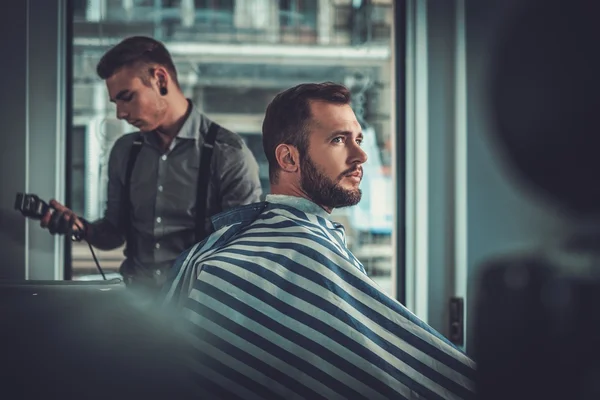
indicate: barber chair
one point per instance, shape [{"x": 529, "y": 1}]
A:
[
  {"x": 87, "y": 340},
  {"x": 537, "y": 328}
]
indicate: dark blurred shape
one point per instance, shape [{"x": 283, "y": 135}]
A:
[
  {"x": 87, "y": 340},
  {"x": 537, "y": 331},
  {"x": 545, "y": 100}
]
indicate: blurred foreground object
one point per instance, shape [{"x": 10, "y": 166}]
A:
[
  {"x": 545, "y": 100},
  {"x": 86, "y": 340},
  {"x": 537, "y": 329}
]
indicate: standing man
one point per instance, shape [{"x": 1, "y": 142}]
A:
[
  {"x": 168, "y": 179},
  {"x": 277, "y": 305}
]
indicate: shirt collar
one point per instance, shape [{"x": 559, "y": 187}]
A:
[
  {"x": 300, "y": 203},
  {"x": 192, "y": 125},
  {"x": 191, "y": 128},
  {"x": 248, "y": 213}
]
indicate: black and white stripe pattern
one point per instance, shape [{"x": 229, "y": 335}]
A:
[{"x": 281, "y": 309}]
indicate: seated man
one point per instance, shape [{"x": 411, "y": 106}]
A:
[{"x": 275, "y": 303}]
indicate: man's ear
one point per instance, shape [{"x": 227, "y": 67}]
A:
[
  {"x": 161, "y": 75},
  {"x": 288, "y": 158}
]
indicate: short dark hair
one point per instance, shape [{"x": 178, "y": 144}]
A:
[
  {"x": 137, "y": 51},
  {"x": 287, "y": 116}
]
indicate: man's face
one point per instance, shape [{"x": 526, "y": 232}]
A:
[
  {"x": 137, "y": 103},
  {"x": 331, "y": 170}
]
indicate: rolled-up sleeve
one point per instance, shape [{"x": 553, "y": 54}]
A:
[{"x": 239, "y": 180}]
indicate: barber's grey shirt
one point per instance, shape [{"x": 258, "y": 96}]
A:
[{"x": 163, "y": 191}]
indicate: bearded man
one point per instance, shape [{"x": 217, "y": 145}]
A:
[{"x": 274, "y": 302}]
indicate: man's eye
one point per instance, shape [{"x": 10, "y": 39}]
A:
[
  {"x": 128, "y": 98},
  {"x": 338, "y": 139},
  {"x": 359, "y": 141}
]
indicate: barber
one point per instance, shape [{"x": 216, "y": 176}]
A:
[{"x": 168, "y": 179}]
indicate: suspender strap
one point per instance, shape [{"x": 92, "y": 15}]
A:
[
  {"x": 201, "y": 190},
  {"x": 204, "y": 175},
  {"x": 126, "y": 194}
]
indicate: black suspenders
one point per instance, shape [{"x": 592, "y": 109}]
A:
[
  {"x": 201, "y": 191},
  {"x": 125, "y": 208},
  {"x": 203, "y": 180}
]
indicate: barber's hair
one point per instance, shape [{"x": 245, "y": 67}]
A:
[
  {"x": 140, "y": 52},
  {"x": 288, "y": 116}
]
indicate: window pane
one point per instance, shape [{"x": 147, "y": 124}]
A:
[{"x": 232, "y": 58}]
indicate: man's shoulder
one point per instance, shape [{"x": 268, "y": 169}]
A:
[
  {"x": 121, "y": 146},
  {"x": 231, "y": 150},
  {"x": 228, "y": 140},
  {"x": 242, "y": 215},
  {"x": 125, "y": 141}
]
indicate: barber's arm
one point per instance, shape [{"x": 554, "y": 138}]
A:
[
  {"x": 105, "y": 233},
  {"x": 239, "y": 181},
  {"x": 109, "y": 232}
]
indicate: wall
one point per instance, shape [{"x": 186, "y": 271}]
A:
[
  {"x": 462, "y": 206},
  {"x": 13, "y": 162},
  {"x": 502, "y": 217},
  {"x": 33, "y": 133},
  {"x": 441, "y": 90},
  {"x": 431, "y": 187}
]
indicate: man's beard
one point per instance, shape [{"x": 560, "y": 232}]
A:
[{"x": 324, "y": 191}]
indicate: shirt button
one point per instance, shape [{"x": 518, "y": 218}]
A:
[
  {"x": 158, "y": 272},
  {"x": 157, "y": 245},
  {"x": 160, "y": 188},
  {"x": 158, "y": 219},
  {"x": 164, "y": 157}
]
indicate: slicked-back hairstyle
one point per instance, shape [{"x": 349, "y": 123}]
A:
[
  {"x": 288, "y": 114},
  {"x": 139, "y": 52}
]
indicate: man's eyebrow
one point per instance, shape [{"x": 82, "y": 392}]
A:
[
  {"x": 343, "y": 133},
  {"x": 120, "y": 95}
]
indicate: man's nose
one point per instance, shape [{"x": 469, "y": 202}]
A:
[
  {"x": 358, "y": 155},
  {"x": 121, "y": 113}
]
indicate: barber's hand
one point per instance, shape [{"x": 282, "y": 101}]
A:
[{"x": 59, "y": 218}]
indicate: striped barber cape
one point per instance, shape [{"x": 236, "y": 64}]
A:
[{"x": 276, "y": 306}]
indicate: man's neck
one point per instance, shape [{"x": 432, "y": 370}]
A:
[
  {"x": 287, "y": 190},
  {"x": 174, "y": 120}
]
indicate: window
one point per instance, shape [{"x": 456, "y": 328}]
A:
[
  {"x": 298, "y": 14},
  {"x": 214, "y": 4},
  {"x": 214, "y": 12},
  {"x": 249, "y": 101},
  {"x": 79, "y": 9},
  {"x": 298, "y": 20},
  {"x": 233, "y": 86}
]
